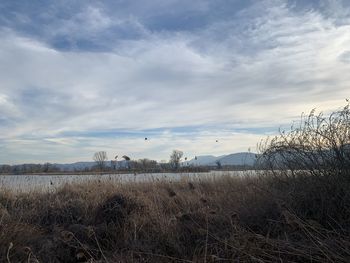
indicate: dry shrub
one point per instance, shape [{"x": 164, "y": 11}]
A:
[
  {"x": 310, "y": 167},
  {"x": 115, "y": 209},
  {"x": 318, "y": 144}
]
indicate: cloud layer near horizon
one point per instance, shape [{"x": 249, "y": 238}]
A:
[{"x": 80, "y": 76}]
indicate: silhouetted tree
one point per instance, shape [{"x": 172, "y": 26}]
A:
[
  {"x": 100, "y": 158},
  {"x": 175, "y": 158}
]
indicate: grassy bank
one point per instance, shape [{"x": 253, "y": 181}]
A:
[{"x": 253, "y": 219}]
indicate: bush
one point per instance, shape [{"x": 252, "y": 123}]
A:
[
  {"x": 310, "y": 165},
  {"x": 318, "y": 144}
]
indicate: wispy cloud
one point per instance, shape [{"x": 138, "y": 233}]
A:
[{"x": 92, "y": 70}]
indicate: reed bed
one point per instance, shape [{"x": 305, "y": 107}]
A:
[{"x": 223, "y": 219}]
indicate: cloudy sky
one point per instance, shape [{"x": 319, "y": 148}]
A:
[{"x": 78, "y": 77}]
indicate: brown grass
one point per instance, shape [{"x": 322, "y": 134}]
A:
[{"x": 251, "y": 219}]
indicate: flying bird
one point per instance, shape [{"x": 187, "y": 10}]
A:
[{"x": 146, "y": 138}]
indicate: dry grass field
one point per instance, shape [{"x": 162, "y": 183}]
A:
[{"x": 248, "y": 219}]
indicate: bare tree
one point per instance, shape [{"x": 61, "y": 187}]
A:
[
  {"x": 175, "y": 158},
  {"x": 127, "y": 160},
  {"x": 100, "y": 158}
]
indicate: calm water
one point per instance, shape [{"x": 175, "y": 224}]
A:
[{"x": 52, "y": 182}]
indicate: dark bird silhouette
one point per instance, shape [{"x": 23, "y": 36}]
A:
[
  {"x": 116, "y": 157},
  {"x": 217, "y": 140},
  {"x": 146, "y": 138}
]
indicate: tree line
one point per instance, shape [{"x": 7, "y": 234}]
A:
[
  {"x": 175, "y": 163},
  {"x": 28, "y": 168},
  {"x": 103, "y": 164}
]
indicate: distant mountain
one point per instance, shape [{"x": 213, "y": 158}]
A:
[
  {"x": 243, "y": 158},
  {"x": 74, "y": 166},
  {"x": 203, "y": 160}
]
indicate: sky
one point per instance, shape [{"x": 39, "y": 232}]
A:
[{"x": 77, "y": 77}]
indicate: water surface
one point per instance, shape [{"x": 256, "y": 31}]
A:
[{"x": 52, "y": 182}]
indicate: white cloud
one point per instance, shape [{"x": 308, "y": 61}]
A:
[
  {"x": 158, "y": 147},
  {"x": 260, "y": 70}
]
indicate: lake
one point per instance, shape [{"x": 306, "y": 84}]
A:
[{"x": 31, "y": 182}]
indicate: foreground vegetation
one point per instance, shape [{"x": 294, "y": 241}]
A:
[
  {"x": 296, "y": 208},
  {"x": 248, "y": 219}
]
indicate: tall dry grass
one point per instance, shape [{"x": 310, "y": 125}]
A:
[{"x": 213, "y": 220}]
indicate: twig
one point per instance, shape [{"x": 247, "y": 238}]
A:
[
  {"x": 99, "y": 247},
  {"x": 8, "y": 252}
]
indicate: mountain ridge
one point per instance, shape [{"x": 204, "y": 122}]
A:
[{"x": 240, "y": 158}]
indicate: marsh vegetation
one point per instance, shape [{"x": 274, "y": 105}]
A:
[{"x": 296, "y": 208}]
